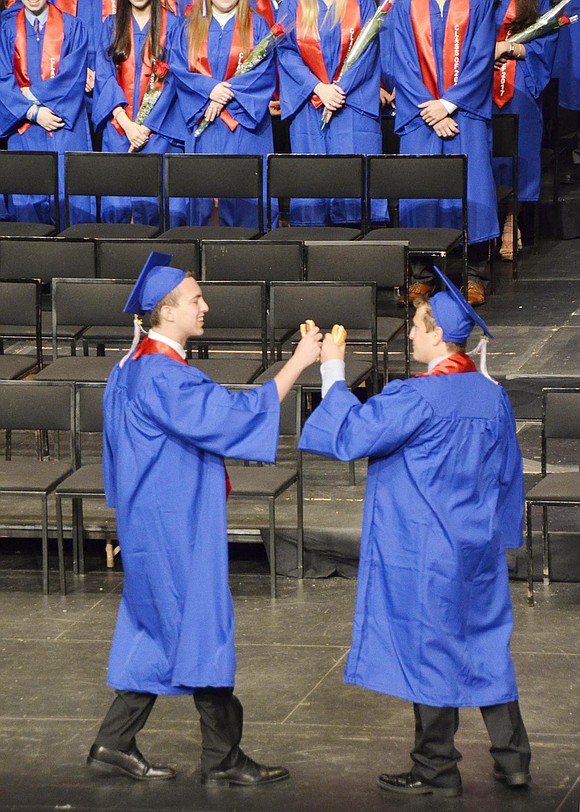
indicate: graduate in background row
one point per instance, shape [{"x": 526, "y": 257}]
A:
[
  {"x": 167, "y": 429},
  {"x": 203, "y": 56},
  {"x": 444, "y": 499},
  {"x": 567, "y": 70},
  {"x": 309, "y": 60},
  {"x": 442, "y": 111},
  {"x": 131, "y": 41},
  {"x": 43, "y": 73},
  {"x": 521, "y": 73}
]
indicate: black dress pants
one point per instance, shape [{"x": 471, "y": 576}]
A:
[
  {"x": 220, "y": 716},
  {"x": 435, "y": 756}
]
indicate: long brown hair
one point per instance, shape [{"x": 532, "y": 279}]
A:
[
  {"x": 527, "y": 12},
  {"x": 198, "y": 27},
  {"x": 120, "y": 48}
]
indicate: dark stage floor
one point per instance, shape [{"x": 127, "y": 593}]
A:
[{"x": 335, "y": 739}]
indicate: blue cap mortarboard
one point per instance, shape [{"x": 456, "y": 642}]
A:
[
  {"x": 453, "y": 313},
  {"x": 155, "y": 281}
]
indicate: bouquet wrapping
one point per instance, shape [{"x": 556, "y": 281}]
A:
[
  {"x": 552, "y": 20},
  {"x": 159, "y": 71}
]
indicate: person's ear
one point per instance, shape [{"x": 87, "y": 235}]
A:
[
  {"x": 437, "y": 336},
  {"x": 167, "y": 313}
]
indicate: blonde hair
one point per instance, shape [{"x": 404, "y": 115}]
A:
[
  {"x": 170, "y": 299},
  {"x": 198, "y": 27},
  {"x": 310, "y": 14}
]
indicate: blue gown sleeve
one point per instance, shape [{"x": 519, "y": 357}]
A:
[
  {"x": 107, "y": 94},
  {"x": 253, "y": 90},
  {"x": 13, "y": 105},
  {"x": 343, "y": 428},
  {"x": 537, "y": 67},
  {"x": 510, "y": 505},
  {"x": 297, "y": 82},
  {"x": 193, "y": 409}
]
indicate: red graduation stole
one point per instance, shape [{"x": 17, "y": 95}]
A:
[
  {"x": 236, "y": 58},
  {"x": 504, "y": 79},
  {"x": 151, "y": 347},
  {"x": 459, "y": 362},
  {"x": 68, "y": 6},
  {"x": 309, "y": 46},
  {"x": 126, "y": 72},
  {"x": 51, "y": 48},
  {"x": 108, "y": 7},
  {"x": 455, "y": 28},
  {"x": 264, "y": 8}
]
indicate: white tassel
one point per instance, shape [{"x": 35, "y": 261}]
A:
[
  {"x": 137, "y": 330},
  {"x": 481, "y": 350}
]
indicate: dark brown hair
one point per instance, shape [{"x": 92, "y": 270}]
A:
[{"x": 120, "y": 48}]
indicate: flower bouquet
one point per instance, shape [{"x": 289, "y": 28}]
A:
[
  {"x": 366, "y": 35},
  {"x": 159, "y": 71},
  {"x": 548, "y": 22},
  {"x": 257, "y": 55}
]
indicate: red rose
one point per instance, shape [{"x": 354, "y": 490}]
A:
[
  {"x": 277, "y": 30},
  {"x": 161, "y": 69}
]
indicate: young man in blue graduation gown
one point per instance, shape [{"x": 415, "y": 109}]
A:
[
  {"x": 43, "y": 74},
  {"x": 438, "y": 54},
  {"x": 167, "y": 429},
  {"x": 444, "y": 499}
]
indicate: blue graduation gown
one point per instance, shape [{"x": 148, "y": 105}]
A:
[
  {"x": 532, "y": 76},
  {"x": 567, "y": 61},
  {"x": 471, "y": 94},
  {"x": 107, "y": 96},
  {"x": 444, "y": 498},
  {"x": 167, "y": 428},
  {"x": 253, "y": 91},
  {"x": 64, "y": 94},
  {"x": 354, "y": 129}
]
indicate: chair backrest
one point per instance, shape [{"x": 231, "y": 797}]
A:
[
  {"x": 417, "y": 176},
  {"x": 560, "y": 416},
  {"x": 235, "y": 304},
  {"x": 29, "y": 173},
  {"x": 36, "y": 405},
  {"x": 123, "y": 259},
  {"x": 113, "y": 173},
  {"x": 44, "y": 258},
  {"x": 386, "y": 263},
  {"x": 88, "y": 413},
  {"x": 251, "y": 260},
  {"x": 218, "y": 176},
  {"x": 20, "y": 302},
  {"x": 90, "y": 302}
]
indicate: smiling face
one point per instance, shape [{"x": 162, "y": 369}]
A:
[
  {"x": 35, "y": 7},
  {"x": 186, "y": 317},
  {"x": 224, "y": 5},
  {"x": 140, "y": 5}
]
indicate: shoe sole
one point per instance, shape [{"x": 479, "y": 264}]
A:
[
  {"x": 442, "y": 792},
  {"x": 227, "y": 782},
  {"x": 513, "y": 779},
  {"x": 113, "y": 770}
]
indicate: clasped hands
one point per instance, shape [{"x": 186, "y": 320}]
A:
[
  {"x": 332, "y": 97},
  {"x": 435, "y": 115},
  {"x": 221, "y": 94}
]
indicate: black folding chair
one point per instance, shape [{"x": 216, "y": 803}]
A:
[
  {"x": 29, "y": 173},
  {"x": 37, "y": 406},
  {"x": 214, "y": 177},
  {"x": 100, "y": 174},
  {"x": 429, "y": 177},
  {"x": 314, "y": 176},
  {"x": 123, "y": 259},
  {"x": 252, "y": 261},
  {"x": 386, "y": 264},
  {"x": 268, "y": 482},
  {"x": 19, "y": 312},
  {"x": 560, "y": 421}
]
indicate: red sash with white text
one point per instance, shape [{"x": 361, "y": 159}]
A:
[
  {"x": 126, "y": 72},
  {"x": 108, "y": 7},
  {"x": 235, "y": 59},
  {"x": 151, "y": 347},
  {"x": 458, "y": 362},
  {"x": 455, "y": 28},
  {"x": 309, "y": 45},
  {"x": 504, "y": 79},
  {"x": 51, "y": 48}
]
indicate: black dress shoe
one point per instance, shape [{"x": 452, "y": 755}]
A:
[
  {"x": 247, "y": 773},
  {"x": 133, "y": 764},
  {"x": 406, "y": 784},
  {"x": 517, "y": 779}
]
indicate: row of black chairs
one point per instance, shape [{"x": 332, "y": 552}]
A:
[
  {"x": 89, "y": 311},
  {"x": 58, "y": 473}
]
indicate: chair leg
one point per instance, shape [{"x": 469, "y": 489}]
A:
[
  {"x": 530, "y": 554},
  {"x": 545, "y": 547},
  {"x": 351, "y": 473},
  {"x": 80, "y": 537},
  {"x": 75, "y": 538},
  {"x": 272, "y": 548},
  {"x": 300, "y": 527},
  {"x": 45, "y": 544},
  {"x": 59, "y": 535}
]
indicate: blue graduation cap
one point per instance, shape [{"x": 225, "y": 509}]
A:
[
  {"x": 453, "y": 313},
  {"x": 155, "y": 281}
]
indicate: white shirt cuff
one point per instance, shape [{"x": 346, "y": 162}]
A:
[
  {"x": 449, "y": 106},
  {"x": 331, "y": 371}
]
